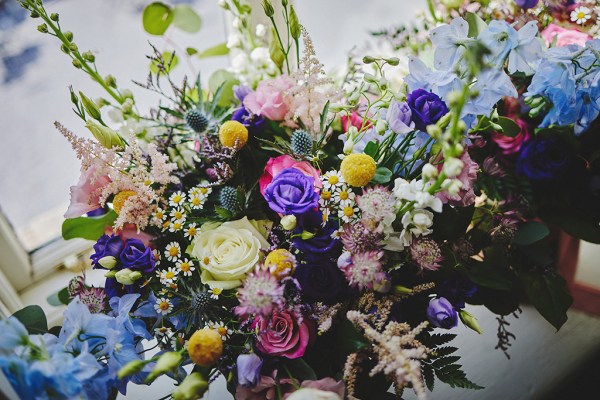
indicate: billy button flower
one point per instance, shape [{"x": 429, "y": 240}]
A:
[
  {"x": 233, "y": 134},
  {"x": 205, "y": 347},
  {"x": 358, "y": 169},
  {"x": 120, "y": 199}
]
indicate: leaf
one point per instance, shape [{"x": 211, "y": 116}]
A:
[
  {"x": 530, "y": 232},
  {"x": 549, "y": 294},
  {"x": 59, "y": 298},
  {"x": 55, "y": 330},
  {"x": 427, "y": 371},
  {"x": 445, "y": 351},
  {"x": 90, "y": 228},
  {"x": 186, "y": 19},
  {"x": 579, "y": 226},
  {"x": 484, "y": 274},
  {"x": 382, "y": 175},
  {"x": 442, "y": 338},
  {"x": 476, "y": 25},
  {"x": 299, "y": 369},
  {"x": 371, "y": 149},
  {"x": 219, "y": 50},
  {"x": 33, "y": 318},
  {"x": 191, "y": 51},
  {"x": 170, "y": 62},
  {"x": 157, "y": 18},
  {"x": 509, "y": 127},
  {"x": 452, "y": 222},
  {"x": 225, "y": 81}
]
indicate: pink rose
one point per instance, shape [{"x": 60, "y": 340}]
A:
[
  {"x": 85, "y": 196},
  {"x": 276, "y": 165},
  {"x": 268, "y": 99},
  {"x": 283, "y": 335},
  {"x": 511, "y": 145},
  {"x": 564, "y": 36},
  {"x": 466, "y": 195}
]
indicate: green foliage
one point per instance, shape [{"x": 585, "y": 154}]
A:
[
  {"x": 530, "y": 232},
  {"x": 33, "y": 318},
  {"x": 548, "y": 293},
  {"x": 223, "y": 80},
  {"x": 371, "y": 149},
  {"x": 59, "y": 298},
  {"x": 219, "y": 50},
  {"x": 157, "y": 17},
  {"x": 579, "y": 225},
  {"x": 382, "y": 175},
  {"x": 476, "y": 24},
  {"x": 90, "y": 228},
  {"x": 452, "y": 222},
  {"x": 186, "y": 19},
  {"x": 299, "y": 369},
  {"x": 169, "y": 61},
  {"x": 509, "y": 127}
]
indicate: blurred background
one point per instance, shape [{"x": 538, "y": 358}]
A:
[{"x": 37, "y": 167}]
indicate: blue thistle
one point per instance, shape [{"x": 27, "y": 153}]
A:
[
  {"x": 196, "y": 120},
  {"x": 228, "y": 198},
  {"x": 301, "y": 143}
]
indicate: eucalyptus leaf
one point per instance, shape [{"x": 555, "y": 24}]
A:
[
  {"x": 186, "y": 19},
  {"x": 59, "y": 298},
  {"x": 219, "y": 50},
  {"x": 33, "y": 318},
  {"x": 157, "y": 17},
  {"x": 371, "y": 149},
  {"x": 90, "y": 228},
  {"x": 509, "y": 127},
  {"x": 382, "y": 175},
  {"x": 225, "y": 79}
]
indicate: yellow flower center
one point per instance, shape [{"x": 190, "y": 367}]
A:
[
  {"x": 177, "y": 199},
  {"x": 185, "y": 267},
  {"x": 222, "y": 330},
  {"x": 173, "y": 251},
  {"x": 170, "y": 275},
  {"x": 206, "y": 261},
  {"x": 166, "y": 224},
  {"x": 147, "y": 182},
  {"x": 163, "y": 305},
  {"x": 580, "y": 15},
  {"x": 333, "y": 179},
  {"x": 160, "y": 215},
  {"x": 348, "y": 211},
  {"x": 178, "y": 215},
  {"x": 344, "y": 195},
  {"x": 176, "y": 226},
  {"x": 203, "y": 190},
  {"x": 121, "y": 198},
  {"x": 196, "y": 201},
  {"x": 192, "y": 231},
  {"x": 217, "y": 290},
  {"x": 326, "y": 195}
]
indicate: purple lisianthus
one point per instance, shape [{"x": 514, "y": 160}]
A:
[
  {"x": 544, "y": 159},
  {"x": 426, "y": 107},
  {"x": 441, "y": 314},
  {"x": 398, "y": 116},
  {"x": 248, "y": 369},
  {"x": 112, "y": 288},
  {"x": 137, "y": 257},
  {"x": 456, "y": 290},
  {"x": 526, "y": 4},
  {"x": 246, "y": 118},
  {"x": 292, "y": 192},
  {"x": 314, "y": 239},
  {"x": 241, "y": 91},
  {"x": 107, "y": 246},
  {"x": 321, "y": 281}
]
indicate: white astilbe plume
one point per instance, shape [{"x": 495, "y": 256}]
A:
[
  {"x": 313, "y": 89},
  {"x": 398, "y": 352},
  {"x": 146, "y": 174}
]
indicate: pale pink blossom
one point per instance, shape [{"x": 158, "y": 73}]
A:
[
  {"x": 268, "y": 99},
  {"x": 465, "y": 196},
  {"x": 85, "y": 196},
  {"x": 564, "y": 36}
]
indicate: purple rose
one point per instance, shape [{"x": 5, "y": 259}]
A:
[
  {"x": 426, "y": 107},
  {"x": 441, "y": 314},
  {"x": 526, "y": 4},
  {"x": 544, "y": 159},
  {"x": 106, "y": 246},
  {"x": 320, "y": 281},
  {"x": 292, "y": 192},
  {"x": 398, "y": 116},
  {"x": 248, "y": 369},
  {"x": 137, "y": 257},
  {"x": 318, "y": 239}
]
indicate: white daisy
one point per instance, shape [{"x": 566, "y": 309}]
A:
[
  {"x": 173, "y": 251},
  {"x": 178, "y": 341},
  {"x": 177, "y": 213},
  {"x": 159, "y": 215},
  {"x": 162, "y": 331},
  {"x": 197, "y": 202},
  {"x": 176, "y": 225},
  {"x": 221, "y": 329},
  {"x": 200, "y": 191},
  {"x": 163, "y": 305},
  {"x": 185, "y": 266},
  {"x": 176, "y": 199},
  {"x": 166, "y": 225},
  {"x": 332, "y": 179},
  {"x": 191, "y": 231},
  {"x": 581, "y": 15},
  {"x": 347, "y": 213},
  {"x": 215, "y": 292},
  {"x": 325, "y": 197},
  {"x": 343, "y": 195},
  {"x": 168, "y": 276},
  {"x": 157, "y": 257}
]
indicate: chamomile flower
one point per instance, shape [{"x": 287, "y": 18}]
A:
[
  {"x": 178, "y": 341},
  {"x": 332, "y": 179},
  {"x": 191, "y": 231},
  {"x": 186, "y": 267},
  {"x": 168, "y": 276},
  {"x": 173, "y": 251},
  {"x": 177, "y": 199},
  {"x": 347, "y": 213},
  {"x": 178, "y": 214},
  {"x": 163, "y": 331},
  {"x": 325, "y": 197},
  {"x": 197, "y": 202},
  {"x": 343, "y": 195},
  {"x": 221, "y": 329},
  {"x": 157, "y": 257},
  {"x": 215, "y": 292},
  {"x": 581, "y": 15},
  {"x": 176, "y": 225},
  {"x": 200, "y": 191},
  {"x": 163, "y": 305},
  {"x": 159, "y": 215},
  {"x": 166, "y": 225}
]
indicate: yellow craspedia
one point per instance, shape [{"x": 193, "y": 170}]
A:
[
  {"x": 121, "y": 198},
  {"x": 358, "y": 169},
  {"x": 280, "y": 263},
  {"x": 205, "y": 347},
  {"x": 232, "y": 132}
]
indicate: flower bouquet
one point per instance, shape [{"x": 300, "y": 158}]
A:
[{"x": 307, "y": 235}]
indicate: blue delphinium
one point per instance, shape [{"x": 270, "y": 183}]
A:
[{"x": 449, "y": 41}]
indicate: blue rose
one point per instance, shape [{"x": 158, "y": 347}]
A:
[
  {"x": 314, "y": 239},
  {"x": 248, "y": 369},
  {"x": 292, "y": 192},
  {"x": 426, "y": 108},
  {"x": 321, "y": 281},
  {"x": 544, "y": 159},
  {"x": 106, "y": 246},
  {"x": 441, "y": 314},
  {"x": 136, "y": 256}
]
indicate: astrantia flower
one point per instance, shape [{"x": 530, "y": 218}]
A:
[
  {"x": 185, "y": 266},
  {"x": 261, "y": 294},
  {"x": 177, "y": 199},
  {"x": 93, "y": 298},
  {"x": 379, "y": 204},
  {"x": 191, "y": 231},
  {"x": 163, "y": 305},
  {"x": 581, "y": 15},
  {"x": 364, "y": 269},
  {"x": 426, "y": 253},
  {"x": 357, "y": 237},
  {"x": 173, "y": 251}
]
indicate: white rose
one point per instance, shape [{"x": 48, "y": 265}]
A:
[
  {"x": 227, "y": 252},
  {"x": 313, "y": 394}
]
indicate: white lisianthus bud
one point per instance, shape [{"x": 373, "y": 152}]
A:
[
  {"x": 454, "y": 97},
  {"x": 429, "y": 171},
  {"x": 127, "y": 276},
  {"x": 261, "y": 30},
  {"x": 381, "y": 126},
  {"x": 452, "y": 167},
  {"x": 234, "y": 40},
  {"x": 108, "y": 262},
  {"x": 434, "y": 131},
  {"x": 127, "y": 106},
  {"x": 236, "y": 23},
  {"x": 289, "y": 222},
  {"x": 348, "y": 146},
  {"x": 352, "y": 132}
]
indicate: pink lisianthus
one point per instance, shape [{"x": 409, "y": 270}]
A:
[
  {"x": 284, "y": 334},
  {"x": 130, "y": 231},
  {"x": 276, "y": 165},
  {"x": 511, "y": 145},
  {"x": 564, "y": 36},
  {"x": 354, "y": 120},
  {"x": 85, "y": 196},
  {"x": 465, "y": 196},
  {"x": 268, "y": 99}
]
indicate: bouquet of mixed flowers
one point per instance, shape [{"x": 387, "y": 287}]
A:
[{"x": 310, "y": 236}]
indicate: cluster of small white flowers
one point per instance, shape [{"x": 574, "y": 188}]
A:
[{"x": 337, "y": 197}]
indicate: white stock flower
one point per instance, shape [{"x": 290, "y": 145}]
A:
[
  {"x": 452, "y": 167},
  {"x": 261, "y": 30},
  {"x": 234, "y": 40}
]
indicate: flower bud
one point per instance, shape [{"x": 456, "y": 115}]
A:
[
  {"x": 352, "y": 132},
  {"x": 77, "y": 64},
  {"x": 469, "y": 321},
  {"x": 289, "y": 222},
  {"x": 90, "y": 107},
  {"x": 193, "y": 387},
  {"x": 454, "y": 97},
  {"x": 54, "y": 17},
  {"x": 305, "y": 235},
  {"x": 108, "y": 262},
  {"x": 110, "y": 81},
  {"x": 34, "y": 14},
  {"x": 110, "y": 274},
  {"x": 261, "y": 30},
  {"x": 268, "y": 7},
  {"x": 106, "y": 136},
  {"x": 402, "y": 290},
  {"x": 348, "y": 146},
  {"x": 131, "y": 368},
  {"x": 126, "y": 93},
  {"x": 392, "y": 61},
  {"x": 429, "y": 171},
  {"x": 127, "y": 276},
  {"x": 127, "y": 106},
  {"x": 452, "y": 167},
  {"x": 166, "y": 363},
  {"x": 294, "y": 24},
  {"x": 223, "y": 4},
  {"x": 369, "y": 77},
  {"x": 88, "y": 56},
  {"x": 68, "y": 35},
  {"x": 454, "y": 187},
  {"x": 73, "y": 47},
  {"x": 381, "y": 126},
  {"x": 434, "y": 131},
  {"x": 43, "y": 28},
  {"x": 369, "y": 59}
]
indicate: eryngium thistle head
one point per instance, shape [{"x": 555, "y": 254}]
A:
[
  {"x": 200, "y": 301},
  {"x": 196, "y": 120},
  {"x": 301, "y": 143},
  {"x": 228, "y": 198}
]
